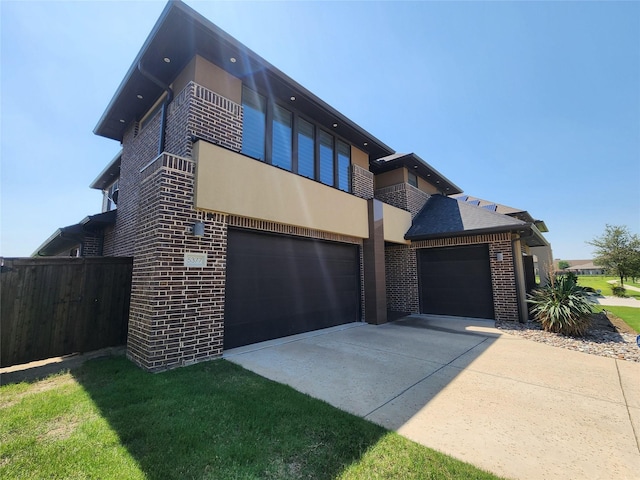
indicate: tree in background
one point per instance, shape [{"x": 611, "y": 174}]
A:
[
  {"x": 562, "y": 264},
  {"x": 618, "y": 251}
]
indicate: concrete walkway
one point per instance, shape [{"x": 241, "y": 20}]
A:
[
  {"x": 615, "y": 301},
  {"x": 518, "y": 408}
]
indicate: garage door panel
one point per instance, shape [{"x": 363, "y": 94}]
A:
[
  {"x": 456, "y": 281},
  {"x": 278, "y": 286}
]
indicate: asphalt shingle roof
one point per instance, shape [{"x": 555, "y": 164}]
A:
[{"x": 445, "y": 216}]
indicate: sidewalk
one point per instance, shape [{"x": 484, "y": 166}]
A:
[{"x": 615, "y": 301}]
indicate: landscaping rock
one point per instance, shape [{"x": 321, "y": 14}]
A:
[{"x": 608, "y": 336}]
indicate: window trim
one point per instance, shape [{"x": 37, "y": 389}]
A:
[
  {"x": 296, "y": 116},
  {"x": 409, "y": 178}
]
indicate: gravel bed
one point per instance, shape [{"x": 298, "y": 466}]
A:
[{"x": 606, "y": 342}]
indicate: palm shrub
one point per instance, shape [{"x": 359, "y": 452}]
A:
[{"x": 561, "y": 307}]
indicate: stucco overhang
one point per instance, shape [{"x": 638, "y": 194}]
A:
[
  {"x": 68, "y": 237},
  {"x": 414, "y": 163},
  {"x": 178, "y": 35}
]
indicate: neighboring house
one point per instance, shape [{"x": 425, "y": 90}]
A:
[
  {"x": 254, "y": 210},
  {"x": 581, "y": 267}
]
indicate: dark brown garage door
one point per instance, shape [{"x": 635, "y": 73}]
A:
[
  {"x": 278, "y": 286},
  {"x": 456, "y": 281}
]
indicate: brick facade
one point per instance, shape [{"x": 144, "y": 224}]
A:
[
  {"x": 138, "y": 149},
  {"x": 361, "y": 182},
  {"x": 198, "y": 111},
  {"x": 402, "y": 273},
  {"x": 92, "y": 244},
  {"x": 176, "y": 315},
  {"x": 177, "y": 312},
  {"x": 404, "y": 196}
]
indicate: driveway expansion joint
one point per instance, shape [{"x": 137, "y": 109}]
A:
[{"x": 626, "y": 403}]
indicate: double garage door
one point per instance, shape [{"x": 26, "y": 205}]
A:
[
  {"x": 456, "y": 281},
  {"x": 278, "y": 286}
]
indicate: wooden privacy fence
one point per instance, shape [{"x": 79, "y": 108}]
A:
[{"x": 56, "y": 306}]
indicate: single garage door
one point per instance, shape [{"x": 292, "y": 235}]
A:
[
  {"x": 278, "y": 286},
  {"x": 456, "y": 281}
]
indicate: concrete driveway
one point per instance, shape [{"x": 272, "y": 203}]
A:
[{"x": 514, "y": 407}]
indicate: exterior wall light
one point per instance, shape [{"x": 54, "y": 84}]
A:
[
  {"x": 499, "y": 256},
  {"x": 198, "y": 229}
]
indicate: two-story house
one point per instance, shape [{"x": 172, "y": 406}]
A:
[{"x": 254, "y": 210}]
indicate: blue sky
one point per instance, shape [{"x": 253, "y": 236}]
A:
[{"x": 534, "y": 105}]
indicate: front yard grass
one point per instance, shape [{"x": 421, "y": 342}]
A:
[
  {"x": 599, "y": 282},
  {"x": 630, "y": 315},
  {"x": 214, "y": 420}
]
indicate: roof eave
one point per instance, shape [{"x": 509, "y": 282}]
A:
[
  {"x": 412, "y": 162},
  {"x": 108, "y": 174},
  {"x": 463, "y": 233},
  {"x": 251, "y": 66}
]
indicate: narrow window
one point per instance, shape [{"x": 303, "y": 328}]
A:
[
  {"x": 254, "y": 124},
  {"x": 344, "y": 163},
  {"x": 281, "y": 146},
  {"x": 306, "y": 149},
  {"x": 413, "y": 179},
  {"x": 112, "y": 196},
  {"x": 326, "y": 158}
]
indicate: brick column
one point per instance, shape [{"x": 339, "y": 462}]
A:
[
  {"x": 402, "y": 280},
  {"x": 361, "y": 182},
  {"x": 176, "y": 315}
]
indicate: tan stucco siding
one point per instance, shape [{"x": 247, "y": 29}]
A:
[
  {"x": 360, "y": 158},
  {"x": 231, "y": 183},
  {"x": 396, "y": 223},
  {"x": 426, "y": 186},
  {"x": 392, "y": 177},
  {"x": 187, "y": 75},
  {"x": 209, "y": 76},
  {"x": 400, "y": 175}
]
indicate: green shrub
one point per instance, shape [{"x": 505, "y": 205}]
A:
[
  {"x": 618, "y": 290},
  {"x": 561, "y": 307},
  {"x": 572, "y": 276}
]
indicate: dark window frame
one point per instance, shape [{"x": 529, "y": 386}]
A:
[
  {"x": 296, "y": 116},
  {"x": 410, "y": 176}
]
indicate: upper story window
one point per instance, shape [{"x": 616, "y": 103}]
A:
[
  {"x": 412, "y": 179},
  {"x": 254, "y": 108},
  {"x": 306, "y": 149},
  {"x": 282, "y": 135},
  {"x": 276, "y": 135},
  {"x": 326, "y": 158},
  {"x": 344, "y": 161},
  {"x": 111, "y": 197}
]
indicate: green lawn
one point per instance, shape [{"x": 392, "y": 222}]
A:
[
  {"x": 215, "y": 420},
  {"x": 630, "y": 315},
  {"x": 599, "y": 282}
]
